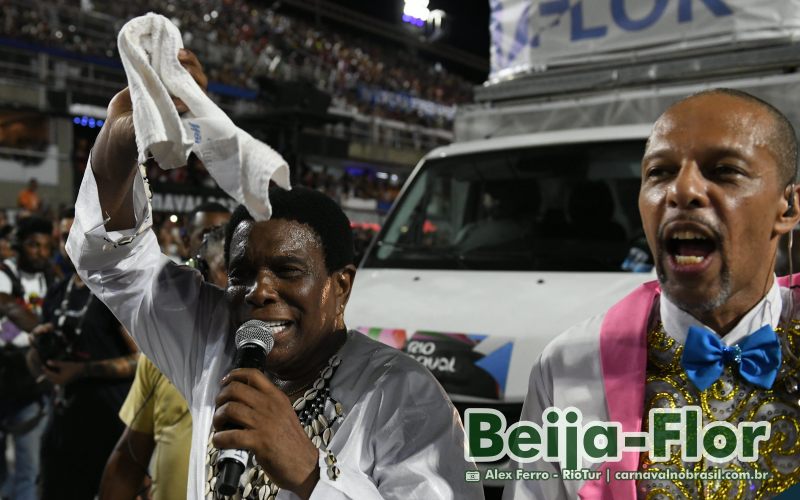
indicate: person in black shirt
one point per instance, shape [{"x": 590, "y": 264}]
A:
[{"x": 86, "y": 353}]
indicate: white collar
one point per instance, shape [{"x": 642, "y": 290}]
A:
[{"x": 676, "y": 321}]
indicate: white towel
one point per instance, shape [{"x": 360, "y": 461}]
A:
[{"x": 241, "y": 165}]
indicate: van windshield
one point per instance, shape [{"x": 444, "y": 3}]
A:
[{"x": 558, "y": 208}]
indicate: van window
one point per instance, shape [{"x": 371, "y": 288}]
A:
[{"x": 562, "y": 208}]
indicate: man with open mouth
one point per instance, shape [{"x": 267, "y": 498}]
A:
[
  {"x": 717, "y": 330},
  {"x": 334, "y": 415}
]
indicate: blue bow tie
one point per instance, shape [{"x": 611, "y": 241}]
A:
[{"x": 758, "y": 357}]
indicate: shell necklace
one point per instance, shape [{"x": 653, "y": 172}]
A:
[{"x": 317, "y": 412}]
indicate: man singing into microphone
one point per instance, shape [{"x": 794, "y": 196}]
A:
[
  {"x": 717, "y": 331},
  {"x": 336, "y": 415}
]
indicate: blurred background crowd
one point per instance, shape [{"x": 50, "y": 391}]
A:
[
  {"x": 351, "y": 99},
  {"x": 351, "y": 112},
  {"x": 242, "y": 42}
]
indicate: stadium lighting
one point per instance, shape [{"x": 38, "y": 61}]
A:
[
  {"x": 416, "y": 12},
  {"x": 430, "y": 24},
  {"x": 87, "y": 121}
]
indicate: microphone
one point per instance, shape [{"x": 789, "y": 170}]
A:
[{"x": 253, "y": 343}]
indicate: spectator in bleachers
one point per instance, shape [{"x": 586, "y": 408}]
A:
[
  {"x": 244, "y": 41},
  {"x": 28, "y": 198}
]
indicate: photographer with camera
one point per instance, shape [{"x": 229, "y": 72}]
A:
[{"x": 85, "y": 352}]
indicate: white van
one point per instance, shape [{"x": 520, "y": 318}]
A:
[
  {"x": 530, "y": 222},
  {"x": 495, "y": 247}
]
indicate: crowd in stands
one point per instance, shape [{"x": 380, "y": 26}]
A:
[
  {"x": 338, "y": 184},
  {"x": 241, "y": 41},
  {"x": 364, "y": 196},
  {"x": 361, "y": 184}
]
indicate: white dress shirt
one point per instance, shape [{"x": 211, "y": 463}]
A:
[{"x": 400, "y": 436}]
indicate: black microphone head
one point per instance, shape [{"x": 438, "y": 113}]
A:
[{"x": 255, "y": 332}]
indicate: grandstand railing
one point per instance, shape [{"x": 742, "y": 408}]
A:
[{"x": 97, "y": 79}]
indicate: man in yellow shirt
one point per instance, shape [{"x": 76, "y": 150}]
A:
[{"x": 159, "y": 432}]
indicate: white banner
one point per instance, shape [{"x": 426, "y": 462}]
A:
[
  {"x": 43, "y": 166},
  {"x": 532, "y": 35}
]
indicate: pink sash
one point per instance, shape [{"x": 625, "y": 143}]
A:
[
  {"x": 784, "y": 280},
  {"x": 623, "y": 356}
]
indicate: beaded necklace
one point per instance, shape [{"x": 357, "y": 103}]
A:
[
  {"x": 317, "y": 412},
  {"x": 64, "y": 313}
]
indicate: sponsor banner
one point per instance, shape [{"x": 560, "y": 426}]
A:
[
  {"x": 183, "y": 195},
  {"x": 532, "y": 35},
  {"x": 405, "y": 102},
  {"x": 179, "y": 203},
  {"x": 465, "y": 364}
]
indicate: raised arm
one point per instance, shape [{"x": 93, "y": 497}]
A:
[
  {"x": 114, "y": 154},
  {"x": 114, "y": 163},
  {"x": 168, "y": 309}
]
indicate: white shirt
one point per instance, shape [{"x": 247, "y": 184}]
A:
[
  {"x": 400, "y": 437},
  {"x": 35, "y": 287},
  {"x": 569, "y": 373}
]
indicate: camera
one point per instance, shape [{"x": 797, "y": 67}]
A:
[{"x": 53, "y": 346}]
